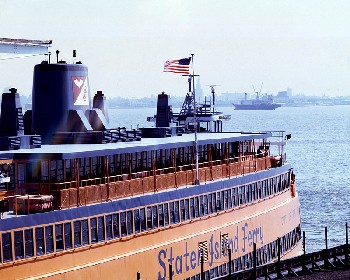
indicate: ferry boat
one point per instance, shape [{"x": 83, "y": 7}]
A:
[{"x": 178, "y": 200}]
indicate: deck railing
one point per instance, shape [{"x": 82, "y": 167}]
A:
[{"x": 88, "y": 191}]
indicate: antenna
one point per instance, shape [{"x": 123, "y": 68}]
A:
[
  {"x": 212, "y": 87},
  {"x": 261, "y": 87},
  {"x": 254, "y": 89}
]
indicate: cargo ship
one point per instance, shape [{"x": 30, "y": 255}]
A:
[
  {"x": 259, "y": 103},
  {"x": 181, "y": 199}
]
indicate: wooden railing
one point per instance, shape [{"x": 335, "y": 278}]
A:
[{"x": 88, "y": 191}]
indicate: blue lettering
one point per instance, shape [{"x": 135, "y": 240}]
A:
[
  {"x": 261, "y": 236},
  {"x": 217, "y": 254},
  {"x": 244, "y": 236},
  {"x": 250, "y": 238},
  {"x": 235, "y": 243},
  {"x": 186, "y": 259},
  {"x": 161, "y": 256},
  {"x": 178, "y": 264},
  {"x": 170, "y": 260},
  {"x": 193, "y": 260},
  {"x": 211, "y": 249}
]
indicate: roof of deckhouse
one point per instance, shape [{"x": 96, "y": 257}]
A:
[{"x": 71, "y": 151}]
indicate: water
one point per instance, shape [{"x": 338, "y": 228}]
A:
[{"x": 318, "y": 152}]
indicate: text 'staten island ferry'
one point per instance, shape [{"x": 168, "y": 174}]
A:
[{"x": 81, "y": 200}]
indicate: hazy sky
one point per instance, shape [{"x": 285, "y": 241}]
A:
[{"x": 304, "y": 45}]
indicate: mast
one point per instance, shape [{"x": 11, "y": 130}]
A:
[{"x": 196, "y": 182}]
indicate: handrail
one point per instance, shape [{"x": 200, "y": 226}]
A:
[{"x": 154, "y": 180}]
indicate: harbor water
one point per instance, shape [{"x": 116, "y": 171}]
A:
[{"x": 318, "y": 151}]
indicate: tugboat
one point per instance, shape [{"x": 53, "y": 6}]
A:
[{"x": 182, "y": 199}]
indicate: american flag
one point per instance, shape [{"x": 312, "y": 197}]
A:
[{"x": 181, "y": 66}]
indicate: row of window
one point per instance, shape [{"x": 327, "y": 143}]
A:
[
  {"x": 264, "y": 255},
  {"x": 64, "y": 236},
  {"x": 92, "y": 167}
]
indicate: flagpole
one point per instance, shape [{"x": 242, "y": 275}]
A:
[{"x": 196, "y": 182}]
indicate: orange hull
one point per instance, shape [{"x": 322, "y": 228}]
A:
[{"x": 151, "y": 253}]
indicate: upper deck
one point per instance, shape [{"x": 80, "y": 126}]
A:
[{"x": 72, "y": 151}]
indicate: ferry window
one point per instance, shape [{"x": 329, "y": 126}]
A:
[
  {"x": 248, "y": 189},
  {"x": 241, "y": 195},
  {"x": 284, "y": 180},
  {"x": 166, "y": 214},
  {"x": 210, "y": 204},
  {"x": 109, "y": 227},
  {"x": 196, "y": 206},
  {"x": 234, "y": 197},
  {"x": 155, "y": 216},
  {"x": 176, "y": 212},
  {"x": 69, "y": 172},
  {"x": 111, "y": 164},
  {"x": 161, "y": 215},
  {"x": 44, "y": 171},
  {"x": 85, "y": 232},
  {"x": 279, "y": 183},
  {"x": 266, "y": 187},
  {"x": 49, "y": 239},
  {"x": 271, "y": 186},
  {"x": 59, "y": 237},
  {"x": 218, "y": 201},
  {"x": 6, "y": 247},
  {"x": 29, "y": 247},
  {"x": 18, "y": 242},
  {"x": 205, "y": 204},
  {"x": 130, "y": 222},
  {"x": 116, "y": 232},
  {"x": 192, "y": 211},
  {"x": 93, "y": 230},
  {"x": 101, "y": 229},
  {"x": 53, "y": 171},
  {"x": 201, "y": 206},
  {"x": 81, "y": 167},
  {"x": 77, "y": 234},
  {"x": 187, "y": 209},
  {"x": 60, "y": 170},
  {"x": 39, "y": 238},
  {"x": 137, "y": 223},
  {"x": 172, "y": 215},
  {"x": 228, "y": 199},
  {"x": 182, "y": 210},
  {"x": 68, "y": 235},
  {"x": 95, "y": 166},
  {"x": 253, "y": 191},
  {"x": 143, "y": 219},
  {"x": 149, "y": 217},
  {"x": 259, "y": 190},
  {"x": 20, "y": 174},
  {"x": 214, "y": 202},
  {"x": 123, "y": 223}
]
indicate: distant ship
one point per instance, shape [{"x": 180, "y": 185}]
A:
[{"x": 265, "y": 103}]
